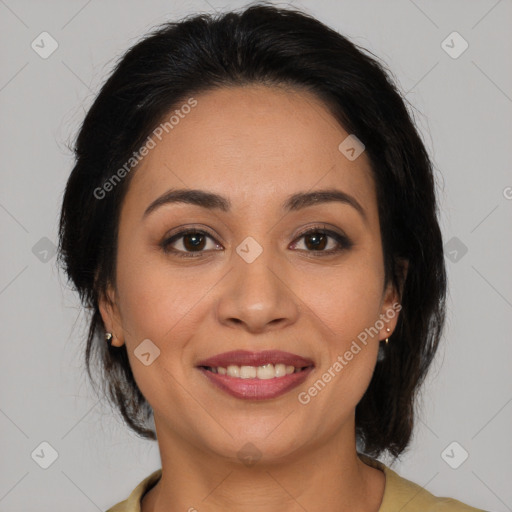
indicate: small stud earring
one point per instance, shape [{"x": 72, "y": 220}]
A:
[
  {"x": 109, "y": 337},
  {"x": 387, "y": 330}
]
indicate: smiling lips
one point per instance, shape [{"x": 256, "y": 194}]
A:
[{"x": 256, "y": 375}]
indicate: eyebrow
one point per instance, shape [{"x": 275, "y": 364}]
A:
[{"x": 214, "y": 201}]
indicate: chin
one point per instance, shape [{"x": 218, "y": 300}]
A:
[{"x": 258, "y": 445}]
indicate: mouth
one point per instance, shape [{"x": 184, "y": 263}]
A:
[{"x": 256, "y": 375}]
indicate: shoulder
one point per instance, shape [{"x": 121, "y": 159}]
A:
[
  {"x": 406, "y": 496},
  {"x": 132, "y": 503}
]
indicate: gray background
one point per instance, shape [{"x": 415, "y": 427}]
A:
[{"x": 464, "y": 109}]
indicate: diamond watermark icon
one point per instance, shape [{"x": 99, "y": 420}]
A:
[
  {"x": 455, "y": 249},
  {"x": 146, "y": 352},
  {"x": 249, "y": 249},
  {"x": 44, "y": 455},
  {"x": 454, "y": 455},
  {"x": 249, "y": 454},
  {"x": 44, "y": 45},
  {"x": 44, "y": 249},
  {"x": 454, "y": 45},
  {"x": 351, "y": 147}
]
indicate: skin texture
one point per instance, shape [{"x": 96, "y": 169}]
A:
[{"x": 255, "y": 145}]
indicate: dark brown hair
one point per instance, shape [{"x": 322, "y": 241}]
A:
[{"x": 268, "y": 45}]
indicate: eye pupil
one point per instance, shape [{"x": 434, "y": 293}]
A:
[
  {"x": 318, "y": 239},
  {"x": 197, "y": 241}
]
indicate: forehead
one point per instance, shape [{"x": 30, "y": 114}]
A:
[{"x": 256, "y": 144}]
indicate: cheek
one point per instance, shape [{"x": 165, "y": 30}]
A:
[
  {"x": 346, "y": 298},
  {"x": 346, "y": 306},
  {"x": 164, "y": 308},
  {"x": 155, "y": 298}
]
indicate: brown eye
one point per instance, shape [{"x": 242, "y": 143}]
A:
[
  {"x": 187, "y": 242},
  {"x": 317, "y": 239}
]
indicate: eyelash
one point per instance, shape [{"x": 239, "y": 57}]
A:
[{"x": 343, "y": 242}]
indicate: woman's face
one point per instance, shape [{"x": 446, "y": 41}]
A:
[{"x": 253, "y": 282}]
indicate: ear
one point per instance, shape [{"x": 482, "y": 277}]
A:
[
  {"x": 391, "y": 304},
  {"x": 110, "y": 314}
]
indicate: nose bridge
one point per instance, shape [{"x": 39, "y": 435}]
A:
[{"x": 255, "y": 294}]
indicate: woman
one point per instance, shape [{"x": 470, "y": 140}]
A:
[{"x": 252, "y": 221}]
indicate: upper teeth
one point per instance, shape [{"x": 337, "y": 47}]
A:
[{"x": 268, "y": 371}]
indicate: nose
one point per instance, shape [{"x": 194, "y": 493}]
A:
[{"x": 258, "y": 296}]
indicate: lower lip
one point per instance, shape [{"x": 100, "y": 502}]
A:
[{"x": 257, "y": 389}]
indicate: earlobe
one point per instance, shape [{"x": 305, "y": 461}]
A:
[{"x": 389, "y": 318}]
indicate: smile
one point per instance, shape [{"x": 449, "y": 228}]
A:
[{"x": 271, "y": 374}]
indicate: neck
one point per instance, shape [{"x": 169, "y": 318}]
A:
[{"x": 327, "y": 477}]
